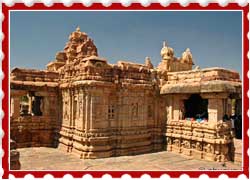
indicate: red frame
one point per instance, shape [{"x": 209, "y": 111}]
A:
[{"x": 118, "y": 6}]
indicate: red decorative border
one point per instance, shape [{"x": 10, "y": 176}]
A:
[{"x": 118, "y": 6}]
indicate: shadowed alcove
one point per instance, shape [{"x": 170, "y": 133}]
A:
[{"x": 196, "y": 107}]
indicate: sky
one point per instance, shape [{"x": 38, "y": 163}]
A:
[{"x": 214, "y": 37}]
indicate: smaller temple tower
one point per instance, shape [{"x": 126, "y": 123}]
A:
[
  {"x": 170, "y": 63},
  {"x": 167, "y": 54}
]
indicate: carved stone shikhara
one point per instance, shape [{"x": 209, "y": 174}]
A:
[{"x": 87, "y": 106}]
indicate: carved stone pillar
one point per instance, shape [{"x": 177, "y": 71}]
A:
[
  {"x": 30, "y": 104},
  {"x": 82, "y": 110},
  {"x": 182, "y": 99},
  {"x": 15, "y": 106},
  {"x": 92, "y": 102},
  {"x": 105, "y": 109},
  {"x": 75, "y": 109},
  {"x": 215, "y": 109},
  {"x": 46, "y": 106},
  {"x": 145, "y": 112},
  {"x": 12, "y": 107},
  {"x": 176, "y": 105},
  {"x": 66, "y": 109},
  {"x": 169, "y": 108},
  {"x": 229, "y": 107},
  {"x": 71, "y": 93},
  {"x": 87, "y": 113}
]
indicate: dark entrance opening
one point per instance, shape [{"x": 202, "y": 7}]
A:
[
  {"x": 36, "y": 103},
  {"x": 196, "y": 107}
]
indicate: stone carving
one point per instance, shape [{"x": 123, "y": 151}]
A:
[
  {"x": 197, "y": 68},
  {"x": 148, "y": 63},
  {"x": 187, "y": 57},
  {"x": 135, "y": 110},
  {"x": 209, "y": 151},
  {"x": 65, "y": 110},
  {"x": 80, "y": 109},
  {"x": 167, "y": 53},
  {"x": 169, "y": 141},
  {"x": 87, "y": 106},
  {"x": 198, "y": 146},
  {"x": 177, "y": 142},
  {"x": 208, "y": 148},
  {"x": 61, "y": 56},
  {"x": 186, "y": 144}
]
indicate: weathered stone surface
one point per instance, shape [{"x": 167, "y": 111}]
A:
[
  {"x": 203, "y": 141},
  {"x": 56, "y": 159},
  {"x": 14, "y": 156},
  {"x": 86, "y": 106}
]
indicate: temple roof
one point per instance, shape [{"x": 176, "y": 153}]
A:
[
  {"x": 202, "y": 87},
  {"x": 202, "y": 81}
]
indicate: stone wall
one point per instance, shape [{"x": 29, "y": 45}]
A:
[
  {"x": 119, "y": 116},
  {"x": 14, "y": 156},
  {"x": 207, "y": 141},
  {"x": 34, "y": 121},
  {"x": 33, "y": 131}
]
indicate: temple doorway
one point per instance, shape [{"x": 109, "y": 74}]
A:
[{"x": 196, "y": 107}]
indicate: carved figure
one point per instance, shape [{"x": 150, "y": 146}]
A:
[
  {"x": 198, "y": 146},
  {"x": 209, "y": 148},
  {"x": 177, "y": 142},
  {"x": 186, "y": 144}
]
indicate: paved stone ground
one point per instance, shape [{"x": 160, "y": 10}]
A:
[
  {"x": 54, "y": 159},
  {"x": 238, "y": 150}
]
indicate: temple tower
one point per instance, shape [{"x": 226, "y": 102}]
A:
[{"x": 167, "y": 54}]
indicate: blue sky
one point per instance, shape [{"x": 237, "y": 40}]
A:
[{"x": 215, "y": 38}]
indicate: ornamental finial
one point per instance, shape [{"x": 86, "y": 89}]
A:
[
  {"x": 165, "y": 44},
  {"x": 78, "y": 29}
]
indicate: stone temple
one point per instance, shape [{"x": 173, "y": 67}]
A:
[{"x": 84, "y": 105}]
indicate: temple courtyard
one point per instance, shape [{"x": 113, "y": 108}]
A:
[{"x": 43, "y": 158}]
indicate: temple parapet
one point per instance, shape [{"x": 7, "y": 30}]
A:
[
  {"x": 26, "y": 78},
  {"x": 207, "y": 141}
]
